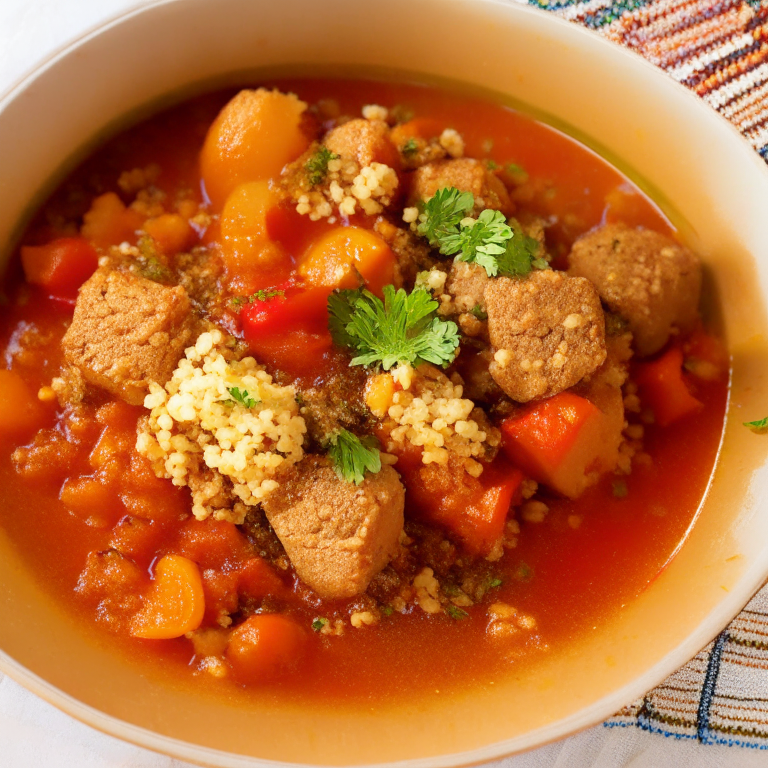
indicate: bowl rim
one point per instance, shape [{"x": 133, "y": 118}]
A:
[{"x": 749, "y": 583}]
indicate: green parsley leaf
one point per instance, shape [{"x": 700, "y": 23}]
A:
[
  {"x": 260, "y": 295},
  {"x": 401, "y": 329},
  {"x": 442, "y": 214},
  {"x": 410, "y": 147},
  {"x": 319, "y": 623},
  {"x": 524, "y": 572},
  {"x": 455, "y": 612},
  {"x": 353, "y": 456},
  {"x": 517, "y": 173},
  {"x": 521, "y": 255},
  {"x": 387, "y": 610},
  {"x": 317, "y": 165},
  {"x": 493, "y": 583},
  {"x": 243, "y": 397},
  {"x": 482, "y": 240},
  {"x": 491, "y": 165},
  {"x": 478, "y": 312},
  {"x": 760, "y": 426}
]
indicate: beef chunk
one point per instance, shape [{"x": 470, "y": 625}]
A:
[
  {"x": 547, "y": 333},
  {"x": 366, "y": 141},
  {"x": 466, "y": 283},
  {"x": 413, "y": 254},
  {"x": 126, "y": 332},
  {"x": 650, "y": 280},
  {"x": 466, "y": 175},
  {"x": 336, "y": 534}
]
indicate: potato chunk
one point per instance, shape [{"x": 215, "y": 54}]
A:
[
  {"x": 647, "y": 278},
  {"x": 366, "y": 141},
  {"x": 466, "y": 175},
  {"x": 126, "y": 332},
  {"x": 336, "y": 534},
  {"x": 547, "y": 333}
]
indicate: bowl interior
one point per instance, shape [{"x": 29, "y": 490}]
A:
[{"x": 696, "y": 167}]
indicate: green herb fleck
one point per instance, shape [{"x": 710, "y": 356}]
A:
[
  {"x": 620, "y": 489},
  {"x": 353, "y": 456},
  {"x": 521, "y": 255},
  {"x": 523, "y": 572},
  {"x": 491, "y": 165},
  {"x": 478, "y": 312},
  {"x": 387, "y": 610},
  {"x": 317, "y": 165},
  {"x": 493, "y": 583},
  {"x": 410, "y": 147},
  {"x": 319, "y": 623},
  {"x": 442, "y": 214},
  {"x": 242, "y": 396},
  {"x": 760, "y": 426},
  {"x": 403, "y": 328},
  {"x": 260, "y": 295},
  {"x": 455, "y": 612},
  {"x": 517, "y": 173}
]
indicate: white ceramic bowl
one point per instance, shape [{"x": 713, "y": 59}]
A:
[{"x": 696, "y": 166}]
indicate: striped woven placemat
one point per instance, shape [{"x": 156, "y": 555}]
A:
[
  {"x": 717, "y": 48},
  {"x": 720, "y": 51}
]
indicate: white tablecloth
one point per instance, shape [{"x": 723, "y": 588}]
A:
[{"x": 33, "y": 734}]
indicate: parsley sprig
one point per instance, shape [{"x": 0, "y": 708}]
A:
[
  {"x": 317, "y": 165},
  {"x": 241, "y": 396},
  {"x": 760, "y": 426},
  {"x": 499, "y": 246},
  {"x": 353, "y": 456},
  {"x": 401, "y": 329},
  {"x": 260, "y": 295}
]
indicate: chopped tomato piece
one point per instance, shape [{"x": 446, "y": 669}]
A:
[
  {"x": 109, "y": 221},
  {"x": 213, "y": 544},
  {"x": 257, "y": 579},
  {"x": 172, "y": 233},
  {"x": 663, "y": 388},
  {"x": 558, "y": 442},
  {"x": 418, "y": 128},
  {"x": 60, "y": 266},
  {"x": 265, "y": 645},
  {"x": 175, "y": 604},
  {"x": 292, "y": 309},
  {"x": 92, "y": 500}
]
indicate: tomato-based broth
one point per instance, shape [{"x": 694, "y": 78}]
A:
[{"x": 218, "y": 452}]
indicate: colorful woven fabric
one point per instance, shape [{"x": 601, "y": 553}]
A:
[
  {"x": 717, "y": 48},
  {"x": 720, "y": 51}
]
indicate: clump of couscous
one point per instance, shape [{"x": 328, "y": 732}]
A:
[{"x": 225, "y": 415}]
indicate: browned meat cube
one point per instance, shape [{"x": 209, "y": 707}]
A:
[
  {"x": 366, "y": 141},
  {"x": 650, "y": 280},
  {"x": 466, "y": 175},
  {"x": 126, "y": 332},
  {"x": 547, "y": 333},
  {"x": 413, "y": 254},
  {"x": 466, "y": 283},
  {"x": 337, "y": 535}
]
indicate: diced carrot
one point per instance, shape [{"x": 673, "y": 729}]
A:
[
  {"x": 418, "y": 128},
  {"x": 175, "y": 604},
  {"x": 213, "y": 544},
  {"x": 266, "y": 645},
  {"x": 165, "y": 503},
  {"x": 60, "y": 266},
  {"x": 93, "y": 500},
  {"x": 246, "y": 248},
  {"x": 171, "y": 233},
  {"x": 138, "y": 539},
  {"x": 220, "y": 589},
  {"x": 109, "y": 222},
  {"x": 379, "y": 391},
  {"x": 558, "y": 442},
  {"x": 340, "y": 258},
  {"x": 252, "y": 138},
  {"x": 663, "y": 388},
  {"x": 473, "y": 510},
  {"x": 21, "y": 413}
]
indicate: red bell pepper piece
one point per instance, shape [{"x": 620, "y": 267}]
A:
[{"x": 663, "y": 388}]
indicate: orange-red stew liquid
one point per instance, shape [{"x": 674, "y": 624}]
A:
[{"x": 579, "y": 566}]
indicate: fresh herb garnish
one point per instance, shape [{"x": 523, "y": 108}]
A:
[
  {"x": 387, "y": 610},
  {"x": 410, "y": 147},
  {"x": 760, "y": 426},
  {"x": 317, "y": 165},
  {"x": 493, "y": 583},
  {"x": 478, "y": 312},
  {"x": 260, "y": 295},
  {"x": 491, "y": 165},
  {"x": 401, "y": 329},
  {"x": 455, "y": 612},
  {"x": 353, "y": 456},
  {"x": 517, "y": 173},
  {"x": 442, "y": 214},
  {"x": 500, "y": 247},
  {"x": 523, "y": 572},
  {"x": 319, "y": 623},
  {"x": 242, "y": 396}
]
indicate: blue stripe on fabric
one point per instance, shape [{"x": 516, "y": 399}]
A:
[
  {"x": 708, "y": 689},
  {"x": 645, "y": 724}
]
